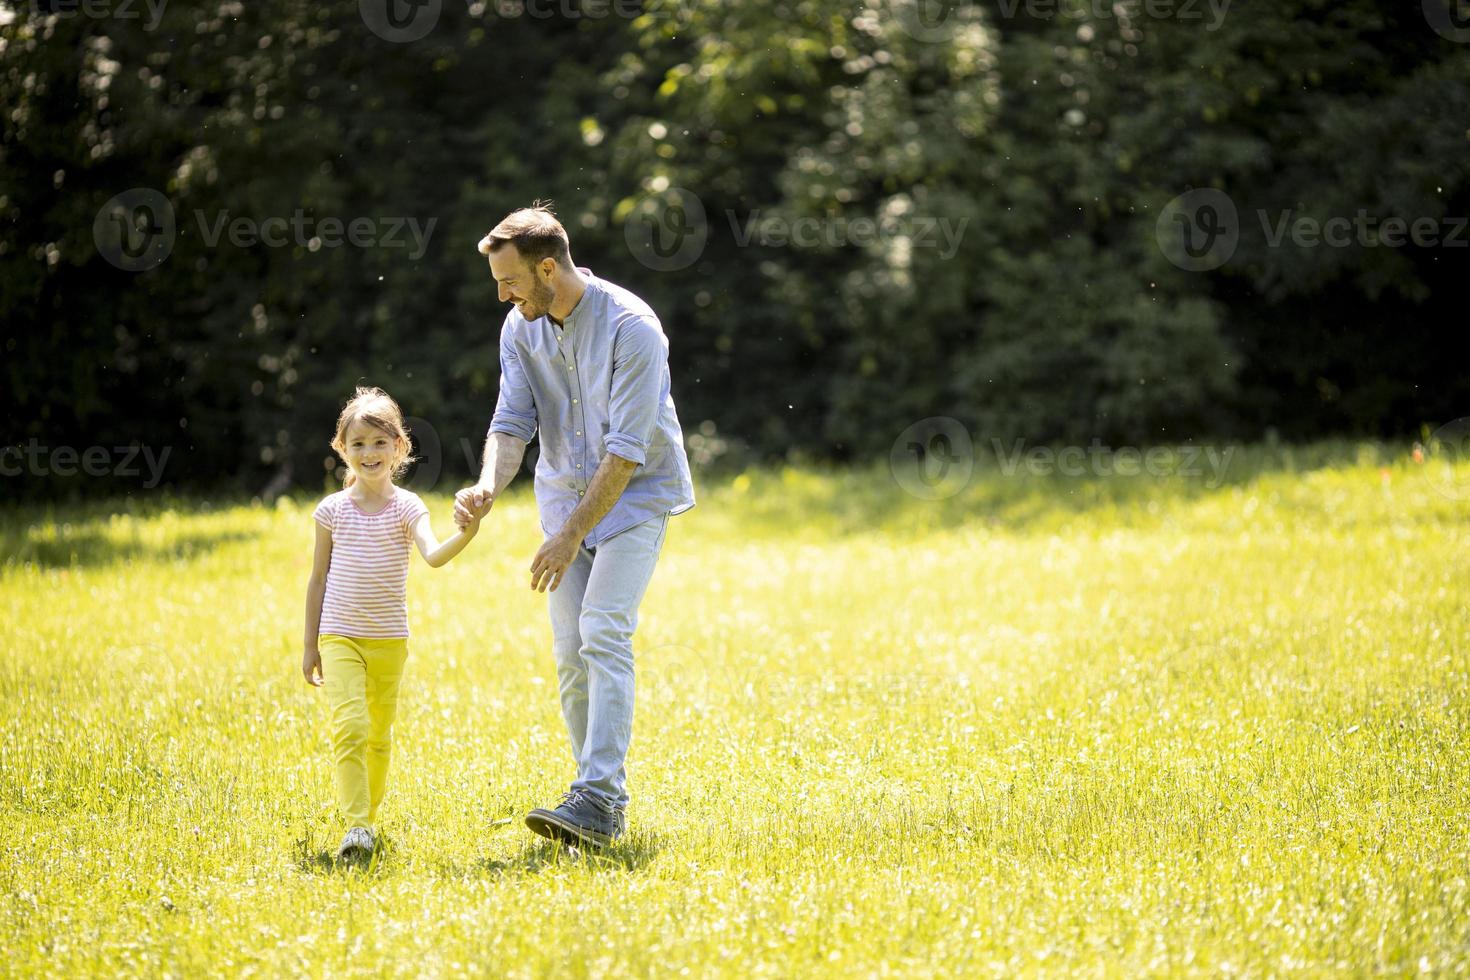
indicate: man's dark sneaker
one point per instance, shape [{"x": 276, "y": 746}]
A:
[{"x": 578, "y": 820}]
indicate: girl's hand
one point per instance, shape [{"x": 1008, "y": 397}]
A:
[
  {"x": 471, "y": 504},
  {"x": 311, "y": 667}
]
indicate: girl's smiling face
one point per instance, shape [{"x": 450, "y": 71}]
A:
[{"x": 370, "y": 452}]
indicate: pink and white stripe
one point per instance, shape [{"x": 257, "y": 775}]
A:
[{"x": 367, "y": 582}]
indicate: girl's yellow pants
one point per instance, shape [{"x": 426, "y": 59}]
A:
[{"x": 361, "y": 680}]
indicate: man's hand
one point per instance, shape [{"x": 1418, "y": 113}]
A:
[
  {"x": 471, "y": 504},
  {"x": 311, "y": 667},
  {"x": 550, "y": 564}
]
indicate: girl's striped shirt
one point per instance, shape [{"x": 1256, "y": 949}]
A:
[{"x": 367, "y": 581}]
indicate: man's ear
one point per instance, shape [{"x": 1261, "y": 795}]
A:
[{"x": 548, "y": 268}]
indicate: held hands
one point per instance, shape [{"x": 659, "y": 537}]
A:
[
  {"x": 471, "y": 504},
  {"x": 311, "y": 667},
  {"x": 551, "y": 562}
]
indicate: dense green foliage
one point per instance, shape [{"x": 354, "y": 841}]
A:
[{"x": 1017, "y": 157}]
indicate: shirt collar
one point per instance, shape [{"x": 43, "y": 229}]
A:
[
  {"x": 575, "y": 317},
  {"x": 590, "y": 282}
]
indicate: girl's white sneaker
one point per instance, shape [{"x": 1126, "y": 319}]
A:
[{"x": 357, "y": 844}]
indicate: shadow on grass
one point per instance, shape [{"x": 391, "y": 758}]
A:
[
  {"x": 318, "y": 863},
  {"x": 91, "y": 547},
  {"x": 630, "y": 854},
  {"x": 532, "y": 857},
  {"x": 165, "y": 527},
  {"x": 1011, "y": 488},
  {"x": 312, "y": 860}
]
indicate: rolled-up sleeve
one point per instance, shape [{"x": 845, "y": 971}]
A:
[
  {"x": 515, "y": 408},
  {"x": 640, "y": 360}
]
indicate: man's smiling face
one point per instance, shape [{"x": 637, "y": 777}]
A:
[{"x": 519, "y": 284}]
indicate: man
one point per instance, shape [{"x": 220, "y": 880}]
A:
[{"x": 585, "y": 362}]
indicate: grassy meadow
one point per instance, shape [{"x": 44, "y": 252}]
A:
[{"x": 1109, "y": 726}]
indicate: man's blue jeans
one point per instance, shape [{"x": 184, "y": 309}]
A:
[{"x": 594, "y": 612}]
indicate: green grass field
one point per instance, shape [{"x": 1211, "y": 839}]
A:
[{"x": 1100, "y": 726}]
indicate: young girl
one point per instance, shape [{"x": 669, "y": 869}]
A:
[{"x": 356, "y": 611}]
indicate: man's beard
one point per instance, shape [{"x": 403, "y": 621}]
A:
[{"x": 538, "y": 304}]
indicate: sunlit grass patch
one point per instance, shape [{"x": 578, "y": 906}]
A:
[{"x": 1046, "y": 724}]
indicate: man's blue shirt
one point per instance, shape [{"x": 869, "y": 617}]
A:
[{"x": 597, "y": 384}]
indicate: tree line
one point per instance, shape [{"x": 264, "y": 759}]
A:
[{"x": 1056, "y": 220}]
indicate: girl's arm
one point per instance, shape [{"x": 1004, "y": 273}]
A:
[
  {"x": 316, "y": 589},
  {"x": 436, "y": 553}
]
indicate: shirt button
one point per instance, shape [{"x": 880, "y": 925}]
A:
[
  {"x": 574, "y": 401},
  {"x": 571, "y": 367},
  {"x": 579, "y": 466},
  {"x": 579, "y": 432}
]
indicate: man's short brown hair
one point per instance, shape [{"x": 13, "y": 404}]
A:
[{"x": 535, "y": 233}]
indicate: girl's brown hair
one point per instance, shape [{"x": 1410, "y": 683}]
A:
[{"x": 375, "y": 407}]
